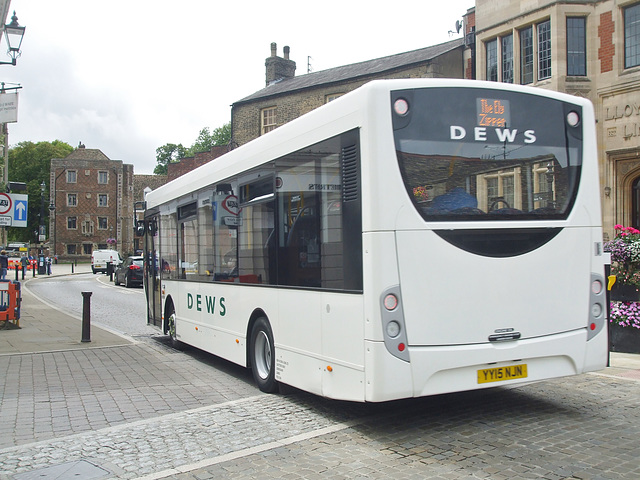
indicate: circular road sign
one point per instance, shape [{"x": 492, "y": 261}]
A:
[{"x": 5, "y": 203}]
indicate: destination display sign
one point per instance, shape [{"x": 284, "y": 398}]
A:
[{"x": 493, "y": 112}]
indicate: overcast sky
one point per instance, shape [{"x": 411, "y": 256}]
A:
[{"x": 127, "y": 76}]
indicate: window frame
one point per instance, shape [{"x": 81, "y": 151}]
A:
[
  {"x": 576, "y": 46},
  {"x": 491, "y": 52},
  {"x": 506, "y": 59},
  {"x": 72, "y": 176},
  {"x": 543, "y": 36},
  {"x": 527, "y": 56},
  {"x": 102, "y": 196},
  {"x": 72, "y": 199},
  {"x": 629, "y": 34},
  {"x": 268, "y": 119},
  {"x": 104, "y": 173}
]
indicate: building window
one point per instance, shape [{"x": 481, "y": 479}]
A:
[
  {"x": 72, "y": 176},
  {"x": 72, "y": 200},
  {"x": 576, "y": 46},
  {"x": 544, "y": 50},
  {"x": 332, "y": 97},
  {"x": 103, "y": 178},
  {"x": 102, "y": 223},
  {"x": 492, "y": 60},
  {"x": 103, "y": 200},
  {"x": 267, "y": 120},
  {"x": 87, "y": 227},
  {"x": 86, "y": 248},
  {"x": 526, "y": 55},
  {"x": 632, "y": 36},
  {"x": 71, "y": 249},
  {"x": 507, "y": 58},
  {"x": 72, "y": 223}
]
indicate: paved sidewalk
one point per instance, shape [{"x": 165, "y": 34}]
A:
[{"x": 46, "y": 329}]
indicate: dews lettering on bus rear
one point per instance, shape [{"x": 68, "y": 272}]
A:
[
  {"x": 493, "y": 113},
  {"x": 480, "y": 134},
  {"x": 207, "y": 302}
]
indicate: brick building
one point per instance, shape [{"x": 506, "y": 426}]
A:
[
  {"x": 286, "y": 97},
  {"x": 93, "y": 199},
  {"x": 177, "y": 169},
  {"x": 586, "y": 48}
]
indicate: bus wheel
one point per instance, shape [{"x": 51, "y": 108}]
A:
[
  {"x": 171, "y": 330},
  {"x": 262, "y": 356}
]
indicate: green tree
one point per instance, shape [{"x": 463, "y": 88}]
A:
[
  {"x": 30, "y": 163},
  {"x": 166, "y": 154},
  {"x": 206, "y": 139}
]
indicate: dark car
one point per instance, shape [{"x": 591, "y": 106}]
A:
[{"x": 129, "y": 272}]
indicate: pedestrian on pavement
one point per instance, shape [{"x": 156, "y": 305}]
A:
[
  {"x": 4, "y": 264},
  {"x": 24, "y": 261},
  {"x": 48, "y": 263}
]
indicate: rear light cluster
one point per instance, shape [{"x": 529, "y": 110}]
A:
[
  {"x": 393, "y": 327},
  {"x": 134, "y": 267},
  {"x": 597, "y": 302}
]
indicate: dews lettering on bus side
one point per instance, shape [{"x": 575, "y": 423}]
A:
[{"x": 198, "y": 302}]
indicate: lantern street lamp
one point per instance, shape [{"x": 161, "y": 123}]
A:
[{"x": 14, "y": 33}]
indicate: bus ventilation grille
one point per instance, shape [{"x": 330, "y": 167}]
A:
[{"x": 349, "y": 173}]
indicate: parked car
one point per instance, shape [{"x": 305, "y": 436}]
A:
[
  {"x": 101, "y": 258},
  {"x": 129, "y": 272}
]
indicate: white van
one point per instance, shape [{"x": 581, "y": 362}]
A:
[{"x": 101, "y": 258}]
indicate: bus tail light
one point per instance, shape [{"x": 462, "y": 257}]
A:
[
  {"x": 393, "y": 326},
  {"x": 401, "y": 107},
  {"x": 597, "y": 300}
]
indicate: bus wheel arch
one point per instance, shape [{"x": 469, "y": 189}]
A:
[
  {"x": 261, "y": 352},
  {"x": 170, "y": 324}
]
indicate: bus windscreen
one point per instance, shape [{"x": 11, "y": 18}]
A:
[{"x": 472, "y": 154}]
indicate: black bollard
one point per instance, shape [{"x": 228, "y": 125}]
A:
[
  {"x": 71, "y": 267},
  {"x": 16, "y": 268},
  {"x": 86, "y": 316}
]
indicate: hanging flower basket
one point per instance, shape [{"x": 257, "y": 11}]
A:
[{"x": 111, "y": 241}]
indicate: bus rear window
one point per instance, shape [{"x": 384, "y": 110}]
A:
[{"x": 479, "y": 154}]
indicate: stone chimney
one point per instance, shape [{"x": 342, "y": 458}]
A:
[{"x": 278, "y": 68}]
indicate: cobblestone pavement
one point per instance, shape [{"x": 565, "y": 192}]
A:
[{"x": 147, "y": 411}]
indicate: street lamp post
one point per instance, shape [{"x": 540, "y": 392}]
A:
[
  {"x": 42, "y": 268},
  {"x": 14, "y": 33}
]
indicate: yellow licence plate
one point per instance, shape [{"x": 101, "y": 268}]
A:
[{"x": 501, "y": 374}]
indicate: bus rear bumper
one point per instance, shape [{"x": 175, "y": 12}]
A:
[
  {"x": 435, "y": 370},
  {"x": 456, "y": 368}
]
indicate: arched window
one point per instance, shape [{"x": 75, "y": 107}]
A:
[{"x": 635, "y": 203}]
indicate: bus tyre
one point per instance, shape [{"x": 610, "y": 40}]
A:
[
  {"x": 171, "y": 330},
  {"x": 262, "y": 356}
]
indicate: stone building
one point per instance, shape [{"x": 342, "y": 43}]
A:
[
  {"x": 586, "y": 48},
  {"x": 93, "y": 200},
  {"x": 286, "y": 96}
]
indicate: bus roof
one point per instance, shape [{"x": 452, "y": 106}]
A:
[{"x": 329, "y": 120}]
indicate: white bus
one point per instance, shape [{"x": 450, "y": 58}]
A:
[{"x": 410, "y": 238}]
